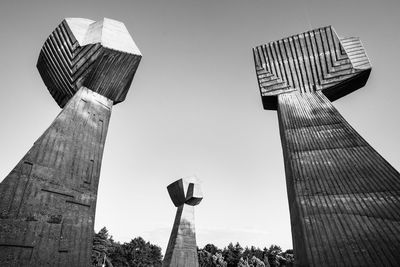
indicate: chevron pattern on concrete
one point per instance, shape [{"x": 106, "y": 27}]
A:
[
  {"x": 307, "y": 62},
  {"x": 81, "y": 52}
]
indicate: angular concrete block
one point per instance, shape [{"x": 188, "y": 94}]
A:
[
  {"x": 98, "y": 55},
  {"x": 185, "y": 190}
]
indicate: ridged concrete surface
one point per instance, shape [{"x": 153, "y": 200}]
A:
[
  {"x": 344, "y": 197},
  {"x": 307, "y": 62},
  {"x": 99, "y": 63}
]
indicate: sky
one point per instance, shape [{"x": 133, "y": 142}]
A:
[{"x": 194, "y": 107}]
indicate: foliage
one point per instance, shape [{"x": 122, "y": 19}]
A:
[
  {"x": 205, "y": 258},
  {"x": 210, "y": 256},
  {"x": 136, "y": 253},
  {"x": 242, "y": 263},
  {"x": 101, "y": 246},
  {"x": 212, "y": 249},
  {"x": 273, "y": 255},
  {"x": 256, "y": 262},
  {"x": 235, "y": 255},
  {"x": 218, "y": 260},
  {"x": 232, "y": 254},
  {"x": 139, "y": 253}
]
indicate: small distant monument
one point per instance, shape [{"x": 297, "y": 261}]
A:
[
  {"x": 344, "y": 198},
  {"x": 182, "y": 249},
  {"x": 48, "y": 201}
]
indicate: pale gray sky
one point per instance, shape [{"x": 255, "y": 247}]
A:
[{"x": 194, "y": 107}]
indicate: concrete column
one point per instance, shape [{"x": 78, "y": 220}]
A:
[
  {"x": 182, "y": 248},
  {"x": 343, "y": 196},
  {"x": 48, "y": 201}
]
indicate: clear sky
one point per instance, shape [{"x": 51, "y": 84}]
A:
[{"x": 194, "y": 107}]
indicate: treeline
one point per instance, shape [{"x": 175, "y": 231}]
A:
[
  {"x": 139, "y": 253},
  {"x": 106, "y": 252},
  {"x": 236, "y": 255}
]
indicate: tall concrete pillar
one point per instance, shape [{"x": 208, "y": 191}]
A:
[
  {"x": 48, "y": 201},
  {"x": 182, "y": 247},
  {"x": 344, "y": 198}
]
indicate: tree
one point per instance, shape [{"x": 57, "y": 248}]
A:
[
  {"x": 256, "y": 262},
  {"x": 253, "y": 262},
  {"x": 251, "y": 252},
  {"x": 286, "y": 258},
  {"x": 101, "y": 247},
  {"x": 218, "y": 260},
  {"x": 242, "y": 263},
  {"x": 210, "y": 256},
  {"x": 137, "y": 253},
  {"x": 273, "y": 255},
  {"x": 117, "y": 255},
  {"x": 212, "y": 249},
  {"x": 232, "y": 254},
  {"x": 205, "y": 258}
]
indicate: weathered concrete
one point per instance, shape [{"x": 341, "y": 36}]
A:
[
  {"x": 48, "y": 201},
  {"x": 182, "y": 248},
  {"x": 343, "y": 196},
  {"x": 98, "y": 55}
]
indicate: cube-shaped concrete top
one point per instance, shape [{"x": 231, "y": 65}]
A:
[
  {"x": 310, "y": 61},
  {"x": 98, "y": 55},
  {"x": 185, "y": 191}
]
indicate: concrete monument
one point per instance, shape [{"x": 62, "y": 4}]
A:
[
  {"x": 48, "y": 201},
  {"x": 182, "y": 248},
  {"x": 344, "y": 198}
]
